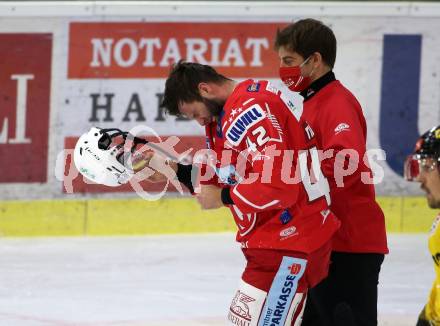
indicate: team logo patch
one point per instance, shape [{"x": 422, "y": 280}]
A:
[
  {"x": 245, "y": 120},
  {"x": 342, "y": 127},
  {"x": 239, "y": 312},
  {"x": 254, "y": 87}
]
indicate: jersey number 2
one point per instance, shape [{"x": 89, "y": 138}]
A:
[{"x": 262, "y": 139}]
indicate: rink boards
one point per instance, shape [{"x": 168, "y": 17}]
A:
[{"x": 172, "y": 215}]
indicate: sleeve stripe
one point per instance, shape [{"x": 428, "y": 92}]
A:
[
  {"x": 248, "y": 101},
  {"x": 273, "y": 202}
]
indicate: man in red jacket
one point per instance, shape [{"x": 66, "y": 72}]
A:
[{"x": 348, "y": 296}]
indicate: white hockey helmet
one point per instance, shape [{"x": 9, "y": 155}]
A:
[{"x": 99, "y": 159}]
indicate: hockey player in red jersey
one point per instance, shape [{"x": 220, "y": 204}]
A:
[{"x": 258, "y": 144}]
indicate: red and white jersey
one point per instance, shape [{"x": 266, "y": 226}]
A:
[{"x": 265, "y": 154}]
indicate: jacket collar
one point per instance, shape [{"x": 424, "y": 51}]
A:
[{"x": 317, "y": 85}]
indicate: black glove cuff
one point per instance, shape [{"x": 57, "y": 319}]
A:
[
  {"x": 226, "y": 196},
  {"x": 184, "y": 176}
]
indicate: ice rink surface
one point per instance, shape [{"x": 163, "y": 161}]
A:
[{"x": 184, "y": 280}]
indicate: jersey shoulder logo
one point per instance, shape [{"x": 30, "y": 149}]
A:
[
  {"x": 249, "y": 117},
  {"x": 254, "y": 87},
  {"x": 342, "y": 127}
]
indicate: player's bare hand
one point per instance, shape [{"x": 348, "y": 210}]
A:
[
  {"x": 159, "y": 165},
  {"x": 210, "y": 197}
]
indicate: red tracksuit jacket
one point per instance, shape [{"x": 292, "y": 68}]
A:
[{"x": 336, "y": 116}]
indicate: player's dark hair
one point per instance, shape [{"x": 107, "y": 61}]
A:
[
  {"x": 306, "y": 37},
  {"x": 182, "y": 84}
]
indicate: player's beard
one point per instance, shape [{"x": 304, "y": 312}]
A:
[{"x": 214, "y": 106}]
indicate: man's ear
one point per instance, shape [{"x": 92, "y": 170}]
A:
[
  {"x": 317, "y": 60},
  {"x": 205, "y": 90}
]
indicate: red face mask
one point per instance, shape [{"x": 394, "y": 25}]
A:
[{"x": 293, "y": 79}]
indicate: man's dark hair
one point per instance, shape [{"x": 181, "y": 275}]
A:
[
  {"x": 306, "y": 37},
  {"x": 182, "y": 84}
]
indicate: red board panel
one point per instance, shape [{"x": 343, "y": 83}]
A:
[{"x": 25, "y": 75}]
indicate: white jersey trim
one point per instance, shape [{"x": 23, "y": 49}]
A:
[{"x": 273, "y": 202}]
